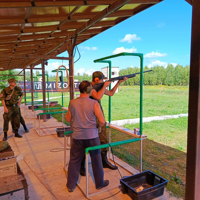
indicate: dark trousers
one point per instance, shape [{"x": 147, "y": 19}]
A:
[
  {"x": 103, "y": 136},
  {"x": 77, "y": 153},
  {"x": 21, "y": 119},
  {"x": 13, "y": 115}
]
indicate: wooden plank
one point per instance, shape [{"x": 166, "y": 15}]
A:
[
  {"x": 34, "y": 56},
  {"x": 189, "y": 1},
  {"x": 116, "y": 5},
  {"x": 193, "y": 143},
  {"x": 144, "y": 1},
  {"x": 56, "y": 3}
]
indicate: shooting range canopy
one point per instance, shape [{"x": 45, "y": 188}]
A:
[{"x": 31, "y": 30}]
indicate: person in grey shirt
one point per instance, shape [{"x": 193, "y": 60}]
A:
[{"x": 82, "y": 113}]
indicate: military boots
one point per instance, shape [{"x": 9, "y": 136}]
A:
[
  {"x": 17, "y": 134},
  {"x": 106, "y": 163},
  {"x": 5, "y": 136}
]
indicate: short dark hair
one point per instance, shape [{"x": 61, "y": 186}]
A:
[{"x": 84, "y": 85}]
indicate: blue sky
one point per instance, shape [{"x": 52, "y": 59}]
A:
[{"x": 162, "y": 33}]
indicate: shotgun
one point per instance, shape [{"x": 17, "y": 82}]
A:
[{"x": 98, "y": 87}]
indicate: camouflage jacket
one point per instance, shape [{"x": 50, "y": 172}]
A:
[{"x": 15, "y": 96}]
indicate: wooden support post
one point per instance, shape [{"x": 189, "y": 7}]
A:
[
  {"x": 71, "y": 76},
  {"x": 25, "y": 86},
  {"x": 44, "y": 89},
  {"x": 70, "y": 48},
  {"x": 32, "y": 88},
  {"x": 193, "y": 144}
]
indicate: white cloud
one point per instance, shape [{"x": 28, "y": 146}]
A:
[
  {"x": 158, "y": 63},
  {"x": 122, "y": 49},
  {"x": 94, "y": 48},
  {"x": 161, "y": 24},
  {"x": 154, "y": 55},
  {"x": 88, "y": 48},
  {"x": 81, "y": 71},
  {"x": 54, "y": 65},
  {"x": 90, "y": 71},
  {"x": 174, "y": 64},
  {"x": 129, "y": 38}
]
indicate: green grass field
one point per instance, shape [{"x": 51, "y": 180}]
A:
[
  {"x": 164, "y": 150},
  {"x": 157, "y": 101}
]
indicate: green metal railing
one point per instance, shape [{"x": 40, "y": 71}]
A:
[
  {"x": 47, "y": 108},
  {"x": 45, "y": 113},
  {"x": 105, "y": 60},
  {"x": 111, "y": 144},
  {"x": 141, "y": 78}
]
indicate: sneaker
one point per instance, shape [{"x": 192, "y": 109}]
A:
[{"x": 106, "y": 183}]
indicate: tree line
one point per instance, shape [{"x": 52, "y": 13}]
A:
[{"x": 169, "y": 76}]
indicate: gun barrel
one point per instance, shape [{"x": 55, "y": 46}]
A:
[{"x": 128, "y": 76}]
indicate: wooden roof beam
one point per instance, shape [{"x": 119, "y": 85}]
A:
[
  {"x": 144, "y": 1},
  {"x": 98, "y": 17},
  {"x": 57, "y": 3},
  {"x": 190, "y": 1},
  {"x": 34, "y": 56}
]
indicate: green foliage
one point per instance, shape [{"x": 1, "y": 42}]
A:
[
  {"x": 170, "y": 76},
  {"x": 5, "y": 75}
]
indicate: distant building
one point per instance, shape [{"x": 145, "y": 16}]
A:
[{"x": 114, "y": 73}]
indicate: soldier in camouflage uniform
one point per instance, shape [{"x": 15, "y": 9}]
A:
[
  {"x": 97, "y": 77},
  {"x": 10, "y": 99}
]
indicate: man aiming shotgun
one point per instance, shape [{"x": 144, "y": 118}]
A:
[{"x": 100, "y": 85}]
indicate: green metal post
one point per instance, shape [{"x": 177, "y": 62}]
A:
[
  {"x": 62, "y": 87},
  {"x": 141, "y": 91},
  {"x": 109, "y": 106},
  {"x": 141, "y": 77}
]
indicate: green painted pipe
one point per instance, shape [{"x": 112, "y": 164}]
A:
[
  {"x": 111, "y": 144},
  {"x": 52, "y": 112},
  {"x": 68, "y": 132},
  {"x": 47, "y": 108},
  {"x": 141, "y": 79},
  {"x": 109, "y": 101}
]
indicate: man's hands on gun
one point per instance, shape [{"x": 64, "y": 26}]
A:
[
  {"x": 124, "y": 79},
  {"x": 107, "y": 83}
]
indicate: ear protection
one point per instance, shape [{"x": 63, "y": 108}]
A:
[{"x": 96, "y": 80}]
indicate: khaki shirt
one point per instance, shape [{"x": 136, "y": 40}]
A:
[{"x": 15, "y": 96}]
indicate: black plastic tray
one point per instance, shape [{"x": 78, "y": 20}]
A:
[
  {"x": 30, "y": 107},
  {"x": 53, "y": 103},
  {"x": 60, "y": 131},
  {"x": 48, "y": 116},
  {"x": 152, "y": 183}
]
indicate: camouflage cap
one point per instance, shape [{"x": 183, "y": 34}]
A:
[
  {"x": 11, "y": 80},
  {"x": 99, "y": 75}
]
